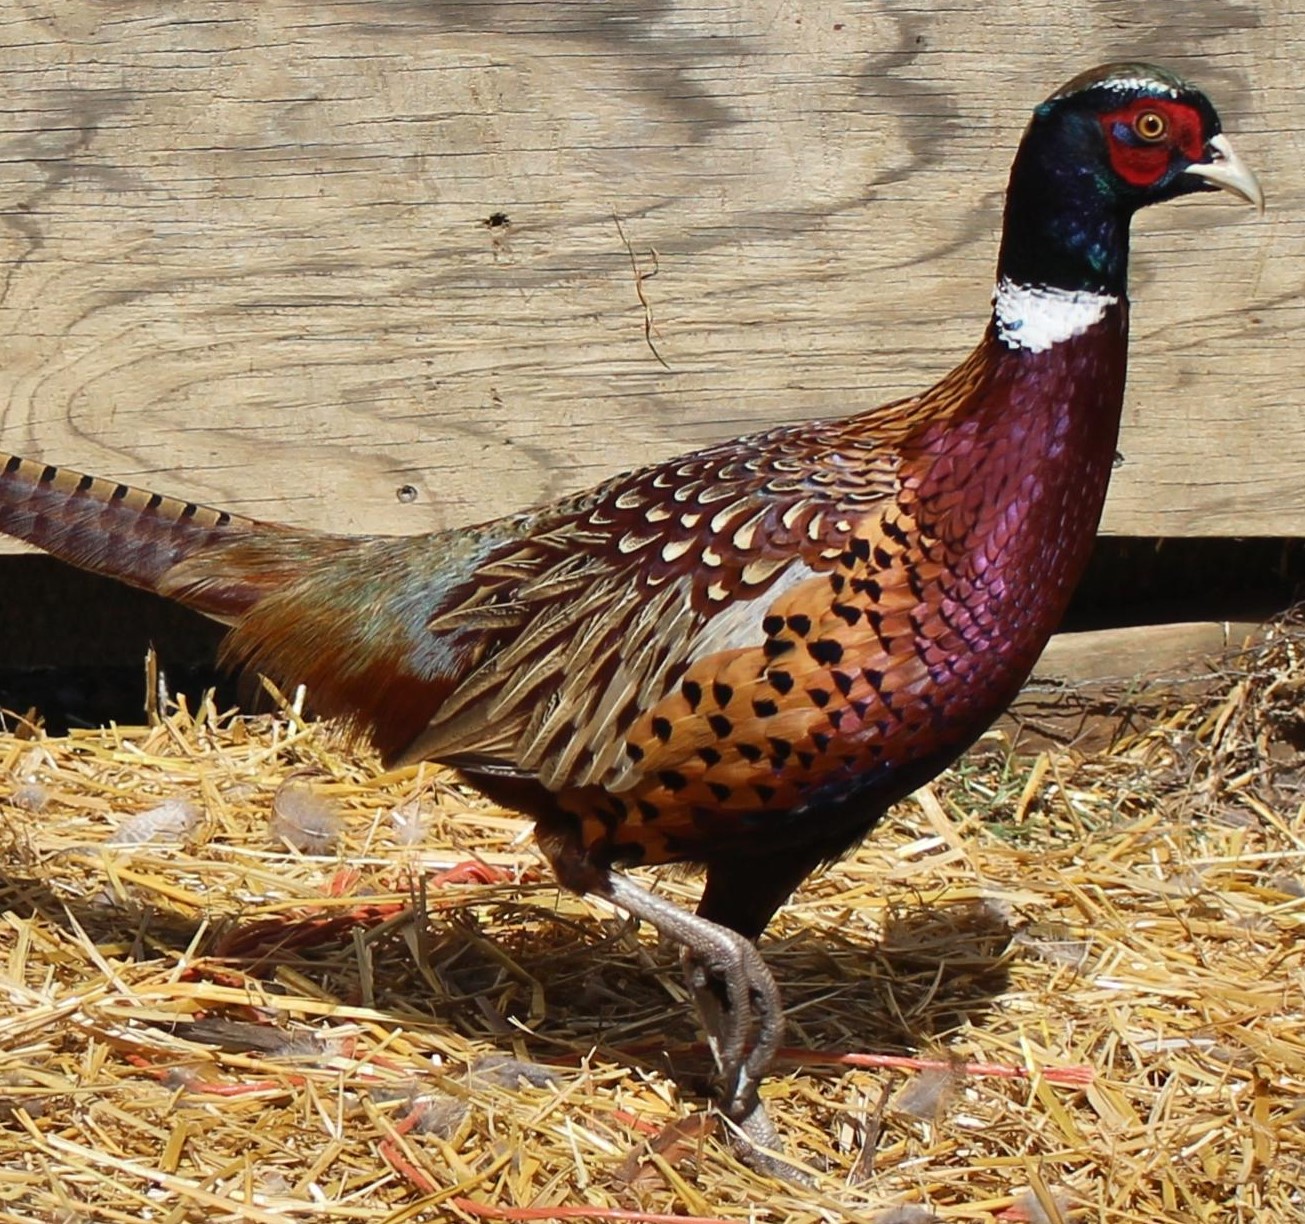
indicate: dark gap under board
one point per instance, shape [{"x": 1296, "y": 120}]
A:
[{"x": 72, "y": 645}]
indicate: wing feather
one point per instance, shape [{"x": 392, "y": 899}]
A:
[{"x": 592, "y": 610}]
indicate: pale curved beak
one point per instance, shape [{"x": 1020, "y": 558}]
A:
[{"x": 1227, "y": 171}]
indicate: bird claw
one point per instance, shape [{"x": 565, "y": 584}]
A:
[
  {"x": 759, "y": 1146},
  {"x": 736, "y": 998},
  {"x": 732, "y": 1002},
  {"x": 735, "y": 995}
]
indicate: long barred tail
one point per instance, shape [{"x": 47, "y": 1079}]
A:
[
  {"x": 344, "y": 615},
  {"x": 129, "y": 534}
]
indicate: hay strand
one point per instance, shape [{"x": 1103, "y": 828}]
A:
[{"x": 1059, "y": 988}]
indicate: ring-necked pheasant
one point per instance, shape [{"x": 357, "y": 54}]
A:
[{"x": 741, "y": 657}]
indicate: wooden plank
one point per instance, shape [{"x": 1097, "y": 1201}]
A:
[
  {"x": 1089, "y": 688},
  {"x": 248, "y": 255},
  {"x": 1136, "y": 652}
]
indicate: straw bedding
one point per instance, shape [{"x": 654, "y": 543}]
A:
[{"x": 246, "y": 976}]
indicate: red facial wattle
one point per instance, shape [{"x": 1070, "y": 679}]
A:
[{"x": 1141, "y": 161}]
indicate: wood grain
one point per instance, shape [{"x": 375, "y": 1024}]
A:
[{"x": 247, "y": 251}]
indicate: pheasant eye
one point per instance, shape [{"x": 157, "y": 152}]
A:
[{"x": 1151, "y": 126}]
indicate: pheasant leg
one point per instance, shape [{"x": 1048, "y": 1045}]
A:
[{"x": 735, "y": 995}]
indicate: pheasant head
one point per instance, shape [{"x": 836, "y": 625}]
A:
[{"x": 1111, "y": 141}]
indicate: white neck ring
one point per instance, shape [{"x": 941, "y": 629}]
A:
[{"x": 1036, "y": 317}]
